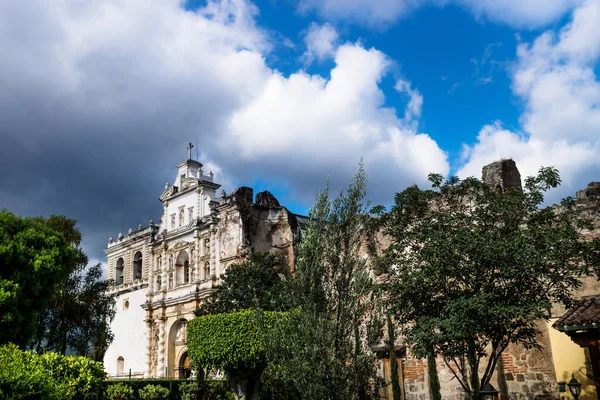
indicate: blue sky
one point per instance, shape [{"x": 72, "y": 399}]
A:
[{"x": 99, "y": 99}]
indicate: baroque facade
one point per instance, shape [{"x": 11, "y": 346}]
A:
[{"x": 164, "y": 271}]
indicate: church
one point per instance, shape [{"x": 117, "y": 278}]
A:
[{"x": 163, "y": 272}]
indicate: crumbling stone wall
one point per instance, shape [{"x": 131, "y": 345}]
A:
[{"x": 247, "y": 226}]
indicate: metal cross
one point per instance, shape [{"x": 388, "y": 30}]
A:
[{"x": 189, "y": 149}]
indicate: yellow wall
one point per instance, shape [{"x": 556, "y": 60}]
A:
[{"x": 569, "y": 359}]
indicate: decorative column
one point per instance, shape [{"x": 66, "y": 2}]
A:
[
  {"x": 213, "y": 250},
  {"x": 147, "y": 372},
  {"x": 151, "y": 271},
  {"x": 197, "y": 266},
  {"x": 164, "y": 278},
  {"x": 160, "y": 369}
]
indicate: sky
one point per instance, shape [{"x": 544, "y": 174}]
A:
[{"x": 98, "y": 100}]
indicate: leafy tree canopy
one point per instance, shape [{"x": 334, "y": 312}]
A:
[
  {"x": 33, "y": 258},
  {"x": 258, "y": 282},
  {"x": 473, "y": 269},
  {"x": 78, "y": 314}
]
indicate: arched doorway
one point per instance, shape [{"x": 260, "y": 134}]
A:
[
  {"x": 185, "y": 366},
  {"x": 177, "y": 346},
  {"x": 120, "y": 366}
]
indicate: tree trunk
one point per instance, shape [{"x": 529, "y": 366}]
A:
[
  {"x": 434, "y": 380},
  {"x": 396, "y": 389},
  {"x": 473, "y": 371},
  {"x": 245, "y": 387}
]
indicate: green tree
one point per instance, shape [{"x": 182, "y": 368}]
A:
[
  {"x": 258, "y": 282},
  {"x": 33, "y": 258},
  {"x": 234, "y": 343},
  {"x": 325, "y": 351},
  {"x": 473, "y": 269},
  {"x": 78, "y": 315}
]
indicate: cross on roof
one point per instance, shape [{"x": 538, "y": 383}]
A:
[{"x": 189, "y": 149}]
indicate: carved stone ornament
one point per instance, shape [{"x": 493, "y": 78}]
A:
[
  {"x": 168, "y": 192},
  {"x": 180, "y": 244}
]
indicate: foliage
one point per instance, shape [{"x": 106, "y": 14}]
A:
[
  {"x": 154, "y": 392},
  {"x": 233, "y": 343},
  {"x": 119, "y": 391},
  {"x": 79, "y": 313},
  {"x": 473, "y": 269},
  {"x": 213, "y": 390},
  {"x": 258, "y": 283},
  {"x": 188, "y": 390},
  {"x": 33, "y": 258},
  {"x": 25, "y": 374},
  {"x": 323, "y": 349}
]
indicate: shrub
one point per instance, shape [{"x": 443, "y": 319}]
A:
[
  {"x": 188, "y": 390},
  {"x": 82, "y": 376},
  {"x": 119, "y": 391},
  {"x": 50, "y": 376},
  {"x": 154, "y": 392}
]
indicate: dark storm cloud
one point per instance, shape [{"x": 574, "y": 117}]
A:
[{"x": 99, "y": 99}]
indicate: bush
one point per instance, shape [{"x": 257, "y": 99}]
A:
[
  {"x": 119, "y": 391},
  {"x": 188, "y": 390},
  {"x": 154, "y": 392},
  {"x": 50, "y": 376},
  {"x": 213, "y": 390}
]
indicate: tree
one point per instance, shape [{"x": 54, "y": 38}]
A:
[
  {"x": 474, "y": 269},
  {"x": 324, "y": 350},
  {"x": 33, "y": 258},
  {"x": 257, "y": 283},
  {"x": 234, "y": 343},
  {"x": 79, "y": 313}
]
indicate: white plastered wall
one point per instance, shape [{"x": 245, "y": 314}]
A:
[{"x": 129, "y": 329}]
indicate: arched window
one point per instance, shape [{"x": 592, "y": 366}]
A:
[
  {"x": 120, "y": 366},
  {"x": 119, "y": 271},
  {"x": 137, "y": 266},
  {"x": 182, "y": 267},
  {"x": 186, "y": 271}
]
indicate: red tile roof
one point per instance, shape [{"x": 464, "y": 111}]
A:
[{"x": 584, "y": 316}]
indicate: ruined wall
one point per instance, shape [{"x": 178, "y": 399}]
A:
[
  {"x": 262, "y": 226},
  {"x": 521, "y": 374}
]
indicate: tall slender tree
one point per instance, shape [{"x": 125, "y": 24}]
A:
[{"x": 325, "y": 350}]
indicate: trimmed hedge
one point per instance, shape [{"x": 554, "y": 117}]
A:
[
  {"x": 216, "y": 389},
  {"x": 232, "y": 341}
]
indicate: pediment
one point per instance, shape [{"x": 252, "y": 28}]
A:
[
  {"x": 189, "y": 182},
  {"x": 168, "y": 192}
]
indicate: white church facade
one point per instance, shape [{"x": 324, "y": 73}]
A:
[{"x": 163, "y": 272}]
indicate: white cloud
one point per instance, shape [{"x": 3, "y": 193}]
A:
[
  {"x": 519, "y": 13},
  {"x": 516, "y": 13},
  {"x": 306, "y": 126},
  {"x": 412, "y": 113},
  {"x": 321, "y": 42},
  {"x": 367, "y": 12},
  {"x": 554, "y": 76}
]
